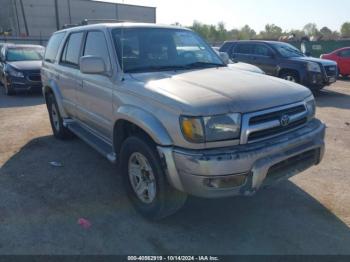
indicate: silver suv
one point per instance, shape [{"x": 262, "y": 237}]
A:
[{"x": 162, "y": 104}]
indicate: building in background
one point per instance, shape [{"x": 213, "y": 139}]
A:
[{"x": 40, "y": 18}]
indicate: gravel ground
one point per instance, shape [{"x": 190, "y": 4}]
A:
[{"x": 41, "y": 204}]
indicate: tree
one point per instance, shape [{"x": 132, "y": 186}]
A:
[
  {"x": 272, "y": 31},
  {"x": 310, "y": 29},
  {"x": 246, "y": 33},
  {"x": 345, "y": 30},
  {"x": 326, "y": 32}
]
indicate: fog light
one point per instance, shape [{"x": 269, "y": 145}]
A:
[{"x": 226, "y": 182}]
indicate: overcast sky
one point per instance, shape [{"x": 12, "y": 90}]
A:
[{"x": 287, "y": 14}]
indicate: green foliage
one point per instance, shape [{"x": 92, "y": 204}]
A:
[
  {"x": 345, "y": 30},
  {"x": 218, "y": 33}
]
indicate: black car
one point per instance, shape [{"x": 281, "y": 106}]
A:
[
  {"x": 20, "y": 68},
  {"x": 283, "y": 60}
]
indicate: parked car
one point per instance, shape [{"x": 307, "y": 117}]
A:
[
  {"x": 238, "y": 65},
  {"x": 178, "y": 122},
  {"x": 284, "y": 61},
  {"x": 20, "y": 68},
  {"x": 342, "y": 57}
]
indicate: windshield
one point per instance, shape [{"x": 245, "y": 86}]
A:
[
  {"x": 155, "y": 49},
  {"x": 287, "y": 50},
  {"x": 24, "y": 54}
]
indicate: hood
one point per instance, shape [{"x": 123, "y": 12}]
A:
[
  {"x": 316, "y": 60},
  {"x": 218, "y": 90},
  {"x": 26, "y": 65},
  {"x": 246, "y": 67}
]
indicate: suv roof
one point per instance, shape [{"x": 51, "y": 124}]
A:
[
  {"x": 119, "y": 25},
  {"x": 252, "y": 41}
]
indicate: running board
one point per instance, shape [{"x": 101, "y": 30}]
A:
[{"x": 94, "y": 141}]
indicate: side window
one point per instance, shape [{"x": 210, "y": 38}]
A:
[
  {"x": 71, "y": 52},
  {"x": 345, "y": 53},
  {"x": 96, "y": 45},
  {"x": 246, "y": 49},
  {"x": 53, "y": 46},
  {"x": 226, "y": 47},
  {"x": 262, "y": 50}
]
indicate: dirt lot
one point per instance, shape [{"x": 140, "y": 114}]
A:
[{"x": 40, "y": 204}]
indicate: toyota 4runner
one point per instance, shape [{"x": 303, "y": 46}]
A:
[{"x": 162, "y": 104}]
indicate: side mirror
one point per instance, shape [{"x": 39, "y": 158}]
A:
[
  {"x": 92, "y": 65},
  {"x": 225, "y": 58}
]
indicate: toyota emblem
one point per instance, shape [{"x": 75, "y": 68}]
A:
[{"x": 285, "y": 120}]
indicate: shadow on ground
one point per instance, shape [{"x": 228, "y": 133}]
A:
[
  {"x": 329, "y": 98},
  {"x": 20, "y": 99},
  {"x": 40, "y": 205}
]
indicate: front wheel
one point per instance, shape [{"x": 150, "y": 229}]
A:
[
  {"x": 290, "y": 76},
  {"x": 145, "y": 180},
  {"x": 8, "y": 89},
  {"x": 58, "y": 129}
]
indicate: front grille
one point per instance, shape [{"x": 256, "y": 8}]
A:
[
  {"x": 276, "y": 115},
  {"x": 276, "y": 130},
  {"x": 34, "y": 77},
  {"x": 331, "y": 70},
  {"x": 269, "y": 123}
]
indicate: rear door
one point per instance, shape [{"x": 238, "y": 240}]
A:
[
  {"x": 95, "y": 94},
  {"x": 68, "y": 72},
  {"x": 243, "y": 52},
  {"x": 264, "y": 58}
]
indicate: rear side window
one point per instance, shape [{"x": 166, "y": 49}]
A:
[
  {"x": 246, "y": 49},
  {"x": 226, "y": 47},
  {"x": 96, "y": 45},
  {"x": 53, "y": 46},
  {"x": 71, "y": 52},
  {"x": 345, "y": 53}
]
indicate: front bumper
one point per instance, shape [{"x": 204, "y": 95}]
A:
[
  {"x": 317, "y": 80},
  {"x": 20, "y": 84},
  {"x": 259, "y": 163}
]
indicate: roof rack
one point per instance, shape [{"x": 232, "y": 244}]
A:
[{"x": 95, "y": 21}]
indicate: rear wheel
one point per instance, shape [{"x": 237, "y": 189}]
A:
[
  {"x": 290, "y": 76},
  {"x": 58, "y": 129},
  {"x": 145, "y": 180}
]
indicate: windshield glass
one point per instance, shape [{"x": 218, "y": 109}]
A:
[
  {"x": 155, "y": 49},
  {"x": 287, "y": 50},
  {"x": 24, "y": 54}
]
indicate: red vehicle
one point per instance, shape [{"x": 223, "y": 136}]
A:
[{"x": 342, "y": 57}]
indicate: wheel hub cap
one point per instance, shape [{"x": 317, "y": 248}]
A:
[{"x": 142, "y": 178}]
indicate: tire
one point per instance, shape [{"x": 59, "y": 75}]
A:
[
  {"x": 290, "y": 76},
  {"x": 158, "y": 199},
  {"x": 8, "y": 90},
  {"x": 58, "y": 129}
]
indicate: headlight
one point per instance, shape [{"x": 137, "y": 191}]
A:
[
  {"x": 223, "y": 127},
  {"x": 313, "y": 67},
  {"x": 212, "y": 128},
  {"x": 192, "y": 129},
  {"x": 311, "y": 107},
  {"x": 13, "y": 72}
]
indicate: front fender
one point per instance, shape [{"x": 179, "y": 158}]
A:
[
  {"x": 146, "y": 121},
  {"x": 53, "y": 87}
]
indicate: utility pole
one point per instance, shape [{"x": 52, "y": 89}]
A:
[
  {"x": 24, "y": 17},
  {"x": 57, "y": 16}
]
